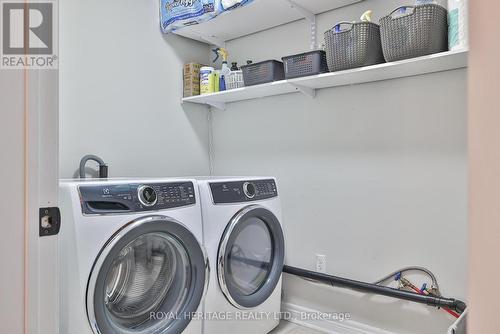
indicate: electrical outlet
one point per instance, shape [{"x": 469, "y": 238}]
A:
[{"x": 321, "y": 263}]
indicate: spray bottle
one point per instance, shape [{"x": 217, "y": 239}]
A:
[{"x": 225, "y": 71}]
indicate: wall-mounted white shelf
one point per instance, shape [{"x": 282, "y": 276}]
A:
[
  {"x": 410, "y": 67},
  {"x": 270, "y": 13}
]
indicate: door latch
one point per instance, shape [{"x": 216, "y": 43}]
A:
[{"x": 50, "y": 221}]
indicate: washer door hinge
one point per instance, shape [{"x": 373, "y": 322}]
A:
[{"x": 49, "y": 221}]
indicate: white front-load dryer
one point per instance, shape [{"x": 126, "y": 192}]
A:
[
  {"x": 132, "y": 260},
  {"x": 244, "y": 240}
]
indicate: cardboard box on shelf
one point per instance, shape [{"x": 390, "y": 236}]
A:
[
  {"x": 192, "y": 79},
  {"x": 192, "y": 68}
]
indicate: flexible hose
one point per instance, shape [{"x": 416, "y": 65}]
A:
[{"x": 407, "y": 269}]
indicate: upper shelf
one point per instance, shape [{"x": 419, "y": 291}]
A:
[
  {"x": 270, "y": 13},
  {"x": 439, "y": 62}
]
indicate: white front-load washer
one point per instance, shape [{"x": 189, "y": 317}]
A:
[
  {"x": 244, "y": 240},
  {"x": 132, "y": 260}
]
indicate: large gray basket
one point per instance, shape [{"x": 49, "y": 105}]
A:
[
  {"x": 356, "y": 46},
  {"x": 414, "y": 31}
]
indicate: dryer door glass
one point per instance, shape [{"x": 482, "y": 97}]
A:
[
  {"x": 251, "y": 257},
  {"x": 149, "y": 279}
]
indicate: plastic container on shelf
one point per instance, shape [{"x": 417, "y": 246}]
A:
[
  {"x": 263, "y": 72},
  {"x": 234, "y": 80},
  {"x": 458, "y": 25},
  {"x": 305, "y": 64},
  {"x": 414, "y": 31},
  {"x": 206, "y": 80},
  {"x": 353, "y": 44}
]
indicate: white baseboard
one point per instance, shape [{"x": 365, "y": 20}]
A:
[{"x": 326, "y": 325}]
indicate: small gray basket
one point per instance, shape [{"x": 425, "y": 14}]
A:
[
  {"x": 263, "y": 72},
  {"x": 358, "y": 45},
  {"x": 414, "y": 31},
  {"x": 305, "y": 64}
]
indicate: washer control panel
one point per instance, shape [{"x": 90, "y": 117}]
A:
[
  {"x": 121, "y": 198},
  {"x": 243, "y": 191}
]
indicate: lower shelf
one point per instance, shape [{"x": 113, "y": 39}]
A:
[{"x": 439, "y": 62}]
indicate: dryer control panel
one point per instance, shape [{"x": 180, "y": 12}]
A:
[
  {"x": 243, "y": 191},
  {"x": 123, "y": 198}
]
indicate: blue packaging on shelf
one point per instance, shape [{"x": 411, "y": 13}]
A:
[
  {"x": 233, "y": 4},
  {"x": 176, "y": 14}
]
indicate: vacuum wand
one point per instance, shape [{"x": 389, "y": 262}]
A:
[
  {"x": 103, "y": 167},
  {"x": 451, "y": 303}
]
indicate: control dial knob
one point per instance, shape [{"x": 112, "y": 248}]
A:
[
  {"x": 249, "y": 189},
  {"x": 147, "y": 195}
]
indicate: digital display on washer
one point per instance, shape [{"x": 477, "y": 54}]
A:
[
  {"x": 243, "y": 191},
  {"x": 118, "y": 198}
]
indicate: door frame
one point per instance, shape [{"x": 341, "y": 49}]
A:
[{"x": 41, "y": 191}]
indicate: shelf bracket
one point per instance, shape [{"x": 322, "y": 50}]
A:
[
  {"x": 311, "y": 92},
  {"x": 311, "y": 18},
  {"x": 217, "y": 105}
]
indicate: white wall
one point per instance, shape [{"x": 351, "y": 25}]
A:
[
  {"x": 121, "y": 85},
  {"x": 374, "y": 176}
]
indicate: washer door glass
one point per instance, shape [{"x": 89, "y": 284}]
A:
[
  {"x": 251, "y": 257},
  {"x": 140, "y": 278},
  {"x": 149, "y": 280}
]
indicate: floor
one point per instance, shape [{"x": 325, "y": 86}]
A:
[{"x": 288, "y": 328}]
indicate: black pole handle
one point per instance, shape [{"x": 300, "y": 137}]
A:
[
  {"x": 103, "y": 168},
  {"x": 450, "y": 303}
]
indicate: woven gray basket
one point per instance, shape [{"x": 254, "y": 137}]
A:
[
  {"x": 414, "y": 31},
  {"x": 356, "y": 46}
]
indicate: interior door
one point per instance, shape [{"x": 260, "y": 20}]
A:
[
  {"x": 251, "y": 257},
  {"x": 149, "y": 278}
]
